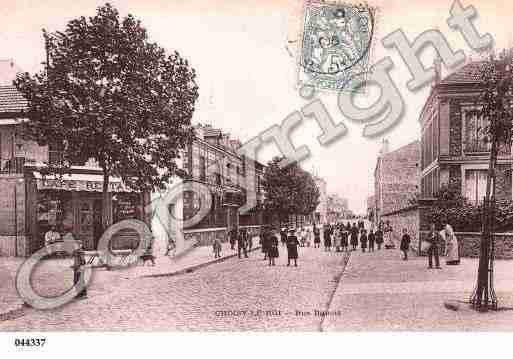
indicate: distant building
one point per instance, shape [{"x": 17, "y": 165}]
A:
[
  {"x": 337, "y": 208},
  {"x": 396, "y": 178},
  {"x": 321, "y": 212}
]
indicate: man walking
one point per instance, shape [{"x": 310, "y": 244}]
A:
[
  {"x": 363, "y": 240},
  {"x": 379, "y": 237},
  {"x": 233, "y": 237},
  {"x": 372, "y": 239},
  {"x": 242, "y": 243},
  {"x": 405, "y": 244},
  {"x": 434, "y": 239}
]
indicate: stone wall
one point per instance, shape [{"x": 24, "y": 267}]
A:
[
  {"x": 12, "y": 216},
  {"x": 469, "y": 244},
  {"x": 407, "y": 218}
]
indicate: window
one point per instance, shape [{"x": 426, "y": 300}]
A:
[
  {"x": 203, "y": 169},
  {"x": 55, "y": 156},
  {"x": 228, "y": 173},
  {"x": 475, "y": 185},
  {"x": 476, "y": 127}
]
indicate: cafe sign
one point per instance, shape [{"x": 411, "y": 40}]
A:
[{"x": 79, "y": 185}]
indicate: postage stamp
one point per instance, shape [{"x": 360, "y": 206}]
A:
[{"x": 335, "y": 45}]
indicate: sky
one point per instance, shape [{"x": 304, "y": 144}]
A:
[{"x": 247, "y": 77}]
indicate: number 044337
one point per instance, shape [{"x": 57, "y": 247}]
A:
[{"x": 29, "y": 342}]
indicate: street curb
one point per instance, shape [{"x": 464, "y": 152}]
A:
[
  {"x": 195, "y": 267},
  {"x": 330, "y": 301}
]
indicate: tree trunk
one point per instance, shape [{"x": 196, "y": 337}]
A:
[
  {"x": 106, "y": 212},
  {"x": 484, "y": 288}
]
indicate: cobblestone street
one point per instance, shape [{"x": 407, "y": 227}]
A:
[{"x": 236, "y": 294}]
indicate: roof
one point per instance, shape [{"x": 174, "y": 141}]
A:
[
  {"x": 11, "y": 100},
  {"x": 470, "y": 73},
  {"x": 211, "y": 132}
]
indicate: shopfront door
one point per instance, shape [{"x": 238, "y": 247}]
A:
[{"x": 89, "y": 222}]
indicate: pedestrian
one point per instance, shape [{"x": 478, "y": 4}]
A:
[
  {"x": 345, "y": 243},
  {"x": 405, "y": 244},
  {"x": 379, "y": 238},
  {"x": 52, "y": 236},
  {"x": 363, "y": 240},
  {"x": 242, "y": 243},
  {"x": 327, "y": 238},
  {"x": 317, "y": 236},
  {"x": 233, "y": 234},
  {"x": 283, "y": 236},
  {"x": 78, "y": 271},
  {"x": 372, "y": 239},
  {"x": 308, "y": 237},
  {"x": 301, "y": 237},
  {"x": 265, "y": 240},
  {"x": 337, "y": 240},
  {"x": 216, "y": 247},
  {"x": 388, "y": 236},
  {"x": 354, "y": 236},
  {"x": 250, "y": 241},
  {"x": 292, "y": 243},
  {"x": 434, "y": 240},
  {"x": 170, "y": 245},
  {"x": 451, "y": 246},
  {"x": 273, "y": 251}
]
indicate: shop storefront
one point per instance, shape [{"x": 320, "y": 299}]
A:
[{"x": 74, "y": 202}]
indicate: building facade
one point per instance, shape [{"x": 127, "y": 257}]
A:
[
  {"x": 31, "y": 203},
  {"x": 396, "y": 178},
  {"x": 454, "y": 150},
  {"x": 337, "y": 208},
  {"x": 234, "y": 180}
]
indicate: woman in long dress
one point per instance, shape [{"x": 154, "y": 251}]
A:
[
  {"x": 451, "y": 246},
  {"x": 388, "y": 236}
]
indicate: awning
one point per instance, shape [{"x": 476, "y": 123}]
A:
[{"x": 78, "y": 182}]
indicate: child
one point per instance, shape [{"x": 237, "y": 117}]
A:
[
  {"x": 405, "y": 244},
  {"x": 216, "y": 246}
]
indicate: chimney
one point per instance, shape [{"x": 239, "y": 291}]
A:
[{"x": 437, "y": 62}]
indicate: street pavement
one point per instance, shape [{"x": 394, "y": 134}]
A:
[
  {"x": 55, "y": 276},
  {"x": 244, "y": 294},
  {"x": 379, "y": 291},
  {"x": 376, "y": 292}
]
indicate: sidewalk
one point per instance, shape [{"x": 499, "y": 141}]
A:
[
  {"x": 379, "y": 291},
  {"x": 55, "y": 276}
]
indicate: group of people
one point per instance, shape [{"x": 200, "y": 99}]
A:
[
  {"x": 343, "y": 237},
  {"x": 435, "y": 240},
  {"x": 269, "y": 240}
]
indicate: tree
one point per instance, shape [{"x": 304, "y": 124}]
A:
[
  {"x": 289, "y": 190},
  {"x": 111, "y": 95},
  {"x": 497, "y": 82}
]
